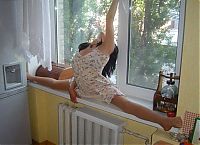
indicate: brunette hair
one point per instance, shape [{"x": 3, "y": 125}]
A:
[{"x": 110, "y": 67}]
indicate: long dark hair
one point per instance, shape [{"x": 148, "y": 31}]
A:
[{"x": 110, "y": 67}]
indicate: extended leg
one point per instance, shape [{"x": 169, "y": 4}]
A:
[
  {"x": 50, "y": 82},
  {"x": 144, "y": 113}
]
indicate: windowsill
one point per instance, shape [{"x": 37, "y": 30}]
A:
[{"x": 103, "y": 106}]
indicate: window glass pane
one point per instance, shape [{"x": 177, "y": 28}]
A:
[
  {"x": 78, "y": 21},
  {"x": 153, "y": 37}
]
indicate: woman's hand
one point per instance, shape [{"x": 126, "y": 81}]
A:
[
  {"x": 72, "y": 92},
  {"x": 73, "y": 95}
]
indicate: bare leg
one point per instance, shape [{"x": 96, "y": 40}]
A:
[
  {"x": 141, "y": 112},
  {"x": 50, "y": 82}
]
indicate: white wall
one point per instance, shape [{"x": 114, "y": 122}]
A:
[
  {"x": 10, "y": 27},
  {"x": 7, "y": 29}
]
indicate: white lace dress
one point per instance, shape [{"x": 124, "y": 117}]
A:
[{"x": 90, "y": 82}]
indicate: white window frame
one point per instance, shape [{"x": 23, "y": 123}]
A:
[
  {"x": 129, "y": 90},
  {"x": 123, "y": 32},
  {"x": 53, "y": 30}
]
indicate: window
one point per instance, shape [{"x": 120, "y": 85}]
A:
[
  {"x": 150, "y": 35},
  {"x": 78, "y": 21}
]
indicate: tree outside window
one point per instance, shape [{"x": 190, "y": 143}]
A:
[
  {"x": 153, "y": 39},
  {"x": 78, "y": 21}
]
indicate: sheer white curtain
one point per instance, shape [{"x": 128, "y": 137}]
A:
[{"x": 36, "y": 33}]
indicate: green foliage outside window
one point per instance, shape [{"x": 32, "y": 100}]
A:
[
  {"x": 83, "y": 20},
  {"x": 150, "y": 46}
]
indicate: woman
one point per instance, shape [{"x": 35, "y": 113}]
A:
[
  {"x": 89, "y": 81},
  {"x": 65, "y": 79}
]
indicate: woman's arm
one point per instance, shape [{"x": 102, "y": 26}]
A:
[{"x": 108, "y": 46}]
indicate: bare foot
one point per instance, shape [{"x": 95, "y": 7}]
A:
[
  {"x": 29, "y": 77},
  {"x": 170, "y": 122}
]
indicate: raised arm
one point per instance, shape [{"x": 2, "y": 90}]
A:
[{"x": 108, "y": 46}]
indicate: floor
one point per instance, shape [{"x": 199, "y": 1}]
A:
[{"x": 42, "y": 143}]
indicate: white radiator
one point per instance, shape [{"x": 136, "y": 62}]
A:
[
  {"x": 64, "y": 124},
  {"x": 85, "y": 126}
]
